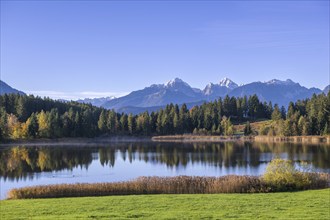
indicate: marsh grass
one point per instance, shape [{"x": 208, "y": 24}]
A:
[
  {"x": 200, "y": 138},
  {"x": 161, "y": 185},
  {"x": 258, "y": 138}
]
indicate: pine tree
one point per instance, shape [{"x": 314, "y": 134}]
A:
[
  {"x": 166, "y": 124},
  {"x": 270, "y": 109},
  {"x": 283, "y": 112},
  {"x": 3, "y": 124},
  {"x": 102, "y": 122},
  {"x": 276, "y": 115},
  {"x": 131, "y": 124},
  {"x": 139, "y": 124},
  {"x": 291, "y": 110},
  {"x": 159, "y": 128},
  {"x": 253, "y": 105},
  {"x": 226, "y": 106},
  {"x": 208, "y": 121},
  {"x": 245, "y": 106},
  {"x": 153, "y": 122},
  {"x": 239, "y": 109},
  {"x": 326, "y": 130},
  {"x": 111, "y": 122},
  {"x": 54, "y": 123},
  {"x": 214, "y": 129},
  {"x": 287, "y": 128},
  {"x": 32, "y": 126},
  {"x": 145, "y": 125},
  {"x": 20, "y": 108},
  {"x": 77, "y": 131},
  {"x": 124, "y": 123},
  {"x": 177, "y": 124},
  {"x": 247, "y": 129}
]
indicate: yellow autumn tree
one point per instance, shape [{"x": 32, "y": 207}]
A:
[
  {"x": 43, "y": 124},
  {"x": 24, "y": 130},
  {"x": 14, "y": 127}
]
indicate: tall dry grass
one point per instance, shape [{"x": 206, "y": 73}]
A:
[
  {"x": 159, "y": 185},
  {"x": 199, "y": 138}
]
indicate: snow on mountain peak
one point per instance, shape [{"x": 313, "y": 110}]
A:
[
  {"x": 175, "y": 81},
  {"x": 208, "y": 89},
  {"x": 228, "y": 83},
  {"x": 280, "y": 82}
]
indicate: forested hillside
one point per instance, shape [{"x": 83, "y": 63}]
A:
[{"x": 30, "y": 117}]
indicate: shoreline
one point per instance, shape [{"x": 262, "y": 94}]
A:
[
  {"x": 75, "y": 141},
  {"x": 268, "y": 139},
  {"x": 186, "y": 138}
]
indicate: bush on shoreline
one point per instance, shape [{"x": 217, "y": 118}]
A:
[{"x": 282, "y": 175}]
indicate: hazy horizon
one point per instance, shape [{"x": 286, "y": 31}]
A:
[{"x": 77, "y": 95}]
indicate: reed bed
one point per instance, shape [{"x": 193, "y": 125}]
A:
[
  {"x": 160, "y": 185},
  {"x": 294, "y": 139},
  {"x": 199, "y": 138},
  {"x": 258, "y": 138}
]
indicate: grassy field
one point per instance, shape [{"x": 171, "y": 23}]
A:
[{"x": 314, "y": 204}]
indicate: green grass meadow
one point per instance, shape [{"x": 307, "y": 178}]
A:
[{"x": 312, "y": 204}]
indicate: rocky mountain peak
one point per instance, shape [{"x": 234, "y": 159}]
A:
[{"x": 226, "y": 82}]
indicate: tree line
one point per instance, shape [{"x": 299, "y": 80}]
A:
[
  {"x": 24, "y": 116},
  {"x": 304, "y": 117}
]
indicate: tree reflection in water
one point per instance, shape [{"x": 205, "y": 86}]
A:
[{"x": 20, "y": 162}]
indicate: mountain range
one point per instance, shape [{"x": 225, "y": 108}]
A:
[
  {"x": 96, "y": 101},
  {"x": 177, "y": 91}
]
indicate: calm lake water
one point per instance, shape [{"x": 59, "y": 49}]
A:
[{"x": 38, "y": 165}]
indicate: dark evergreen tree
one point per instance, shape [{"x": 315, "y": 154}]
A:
[
  {"x": 124, "y": 123},
  {"x": 32, "y": 126},
  {"x": 102, "y": 122},
  {"x": 247, "y": 128},
  {"x": 131, "y": 124},
  {"x": 283, "y": 112},
  {"x": 276, "y": 115}
]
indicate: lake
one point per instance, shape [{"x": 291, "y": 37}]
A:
[{"x": 38, "y": 165}]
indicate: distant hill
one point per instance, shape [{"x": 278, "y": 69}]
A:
[
  {"x": 6, "y": 89},
  {"x": 96, "y": 101},
  {"x": 138, "y": 110},
  {"x": 326, "y": 89},
  {"x": 276, "y": 91},
  {"x": 177, "y": 91}
]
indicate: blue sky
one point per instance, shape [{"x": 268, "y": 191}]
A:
[{"x": 86, "y": 48}]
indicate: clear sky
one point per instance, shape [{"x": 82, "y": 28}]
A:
[{"x": 97, "y": 48}]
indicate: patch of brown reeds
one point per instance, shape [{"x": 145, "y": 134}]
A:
[
  {"x": 156, "y": 185},
  {"x": 199, "y": 138},
  {"x": 294, "y": 139}
]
